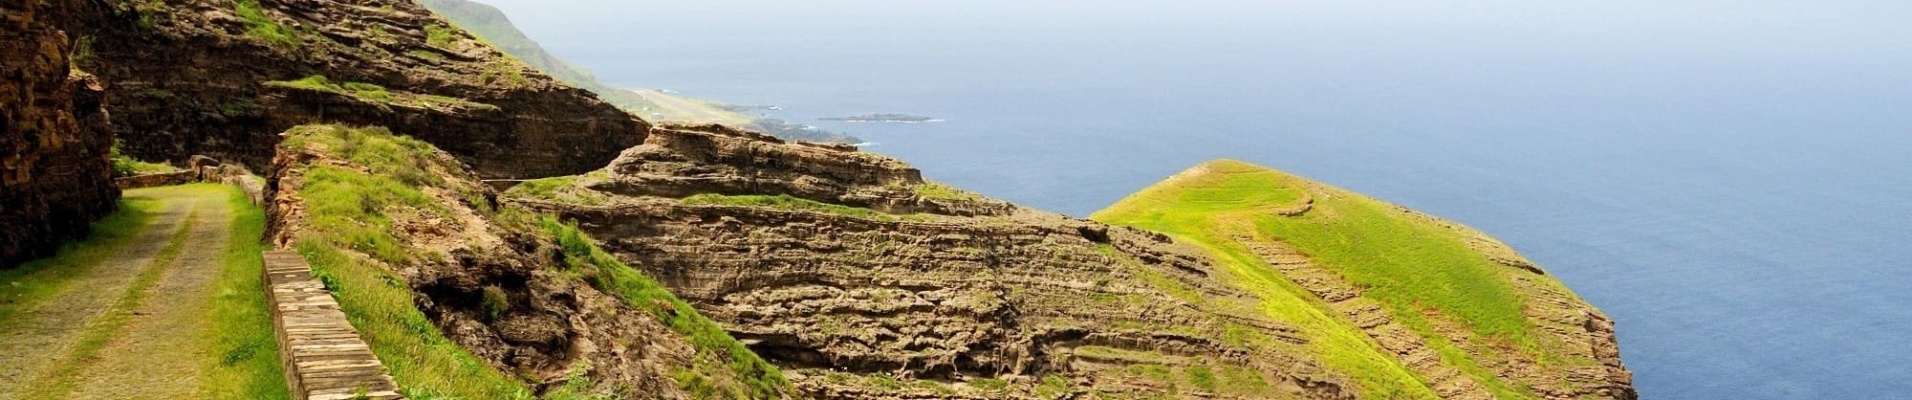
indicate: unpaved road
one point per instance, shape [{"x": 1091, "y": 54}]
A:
[{"x": 129, "y": 326}]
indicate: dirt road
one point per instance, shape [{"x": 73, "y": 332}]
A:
[{"x": 129, "y": 325}]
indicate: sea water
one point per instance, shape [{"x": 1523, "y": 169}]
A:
[{"x": 1730, "y": 181}]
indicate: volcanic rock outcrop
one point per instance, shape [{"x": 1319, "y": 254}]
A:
[{"x": 54, "y": 143}]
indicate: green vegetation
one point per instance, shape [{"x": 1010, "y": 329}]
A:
[
  {"x": 439, "y": 35},
  {"x": 376, "y": 93},
  {"x": 758, "y": 378},
  {"x": 37, "y": 281},
  {"x": 788, "y": 202},
  {"x": 1210, "y": 209},
  {"x": 934, "y": 190},
  {"x": 146, "y": 11},
  {"x": 1412, "y": 264},
  {"x": 562, "y": 189},
  {"x": 239, "y": 108},
  {"x": 262, "y": 26},
  {"x": 111, "y": 321},
  {"x": 124, "y": 165},
  {"x": 248, "y": 365},
  {"x": 491, "y": 27},
  {"x": 506, "y": 73},
  {"x": 351, "y": 235}
]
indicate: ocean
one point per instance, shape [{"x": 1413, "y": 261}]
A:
[{"x": 1730, "y": 181}]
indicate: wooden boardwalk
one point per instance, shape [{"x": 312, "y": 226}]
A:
[{"x": 324, "y": 357}]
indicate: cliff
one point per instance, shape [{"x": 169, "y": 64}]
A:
[
  {"x": 463, "y": 297},
  {"x": 195, "y": 77},
  {"x": 863, "y": 281},
  {"x": 54, "y": 142}
]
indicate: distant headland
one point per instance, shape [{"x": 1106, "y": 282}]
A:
[{"x": 890, "y": 118}]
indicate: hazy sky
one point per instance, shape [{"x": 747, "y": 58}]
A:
[{"x": 1825, "y": 28}]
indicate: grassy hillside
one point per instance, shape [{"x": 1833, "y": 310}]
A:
[
  {"x": 491, "y": 25},
  {"x": 365, "y": 192},
  {"x": 1431, "y": 275}
]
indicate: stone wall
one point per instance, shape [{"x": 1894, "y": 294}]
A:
[{"x": 54, "y": 142}]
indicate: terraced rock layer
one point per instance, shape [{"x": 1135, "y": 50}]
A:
[
  {"x": 862, "y": 286},
  {"x": 191, "y": 77},
  {"x": 843, "y": 269}
]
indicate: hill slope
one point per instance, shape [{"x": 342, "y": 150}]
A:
[
  {"x": 1466, "y": 314},
  {"x": 495, "y": 28}
]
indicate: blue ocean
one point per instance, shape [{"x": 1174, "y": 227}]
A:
[{"x": 1730, "y": 181}]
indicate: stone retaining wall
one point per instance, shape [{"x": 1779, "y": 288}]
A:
[{"x": 323, "y": 355}]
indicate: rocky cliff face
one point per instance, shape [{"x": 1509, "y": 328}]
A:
[
  {"x": 418, "y": 253},
  {"x": 191, "y": 77},
  {"x": 54, "y": 143},
  {"x": 862, "y": 282}
]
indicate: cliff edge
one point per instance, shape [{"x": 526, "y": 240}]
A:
[{"x": 54, "y": 139}]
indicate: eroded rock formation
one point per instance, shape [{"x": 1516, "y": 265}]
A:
[
  {"x": 54, "y": 143},
  {"x": 952, "y": 292},
  {"x": 190, "y": 77}
]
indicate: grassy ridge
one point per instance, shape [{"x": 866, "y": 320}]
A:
[
  {"x": 351, "y": 237},
  {"x": 376, "y": 93},
  {"x": 1411, "y": 265}
]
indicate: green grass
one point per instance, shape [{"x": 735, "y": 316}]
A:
[
  {"x": 439, "y": 35},
  {"x": 376, "y": 93},
  {"x": 934, "y": 190},
  {"x": 111, "y": 320},
  {"x": 755, "y": 378},
  {"x": 36, "y": 281},
  {"x": 1417, "y": 267},
  {"x": 1211, "y": 209},
  {"x": 505, "y": 73},
  {"x": 788, "y": 202},
  {"x": 247, "y": 365},
  {"x": 124, "y": 165},
  {"x": 351, "y": 235},
  {"x": 262, "y": 26},
  {"x": 563, "y": 189}
]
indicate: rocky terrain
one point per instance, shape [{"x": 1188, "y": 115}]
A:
[
  {"x": 192, "y": 77},
  {"x": 705, "y": 261},
  {"x": 54, "y": 139},
  {"x": 866, "y": 282}
]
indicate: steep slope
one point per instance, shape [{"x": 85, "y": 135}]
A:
[
  {"x": 54, "y": 142},
  {"x": 462, "y": 297},
  {"x": 196, "y": 77},
  {"x": 495, "y": 28},
  {"x": 865, "y": 282},
  {"x": 1468, "y": 315}
]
